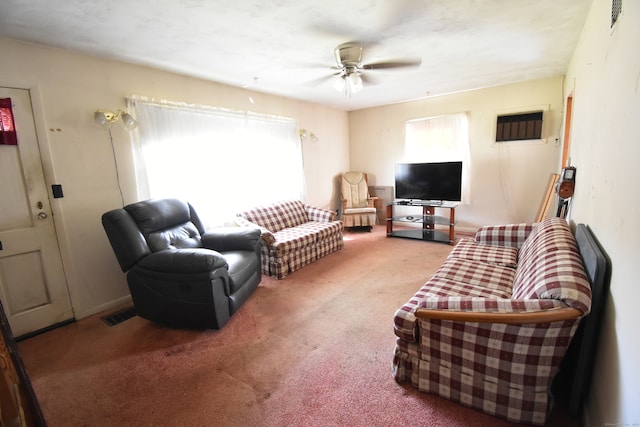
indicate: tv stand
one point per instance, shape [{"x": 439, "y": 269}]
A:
[{"x": 428, "y": 220}]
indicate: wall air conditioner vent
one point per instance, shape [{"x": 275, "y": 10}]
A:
[{"x": 519, "y": 127}]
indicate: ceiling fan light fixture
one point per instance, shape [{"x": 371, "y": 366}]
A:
[
  {"x": 350, "y": 78},
  {"x": 355, "y": 82},
  {"x": 339, "y": 83}
]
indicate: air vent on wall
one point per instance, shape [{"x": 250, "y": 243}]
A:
[
  {"x": 616, "y": 10},
  {"x": 519, "y": 127}
]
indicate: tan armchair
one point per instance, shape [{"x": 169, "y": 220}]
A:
[{"x": 358, "y": 207}]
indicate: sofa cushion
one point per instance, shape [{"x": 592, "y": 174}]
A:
[
  {"x": 467, "y": 248},
  {"x": 320, "y": 214},
  {"x": 293, "y": 212},
  {"x": 513, "y": 235},
  {"x": 269, "y": 217},
  {"x": 322, "y": 230},
  {"x": 556, "y": 274},
  {"x": 550, "y": 267},
  {"x": 291, "y": 239},
  {"x": 438, "y": 287},
  {"x": 547, "y": 234},
  {"x": 473, "y": 279}
]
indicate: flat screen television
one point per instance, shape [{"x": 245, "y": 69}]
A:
[{"x": 437, "y": 182}]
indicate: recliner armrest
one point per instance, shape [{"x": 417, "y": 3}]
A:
[
  {"x": 231, "y": 238},
  {"x": 197, "y": 260}
]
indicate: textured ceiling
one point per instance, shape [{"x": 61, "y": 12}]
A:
[{"x": 285, "y": 47}]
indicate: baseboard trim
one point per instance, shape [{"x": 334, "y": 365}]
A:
[{"x": 47, "y": 329}]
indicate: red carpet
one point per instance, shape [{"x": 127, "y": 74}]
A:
[{"x": 314, "y": 349}]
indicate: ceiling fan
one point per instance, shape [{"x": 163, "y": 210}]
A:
[{"x": 350, "y": 76}]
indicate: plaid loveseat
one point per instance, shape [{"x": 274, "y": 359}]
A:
[
  {"x": 293, "y": 235},
  {"x": 492, "y": 325}
]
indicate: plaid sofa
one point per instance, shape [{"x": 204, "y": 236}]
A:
[
  {"x": 293, "y": 234},
  {"x": 475, "y": 332}
]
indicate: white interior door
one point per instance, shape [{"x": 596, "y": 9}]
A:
[{"x": 33, "y": 287}]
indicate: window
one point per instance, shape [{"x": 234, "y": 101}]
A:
[
  {"x": 440, "y": 139},
  {"x": 8, "y": 134},
  {"x": 219, "y": 160},
  {"x": 519, "y": 127}
]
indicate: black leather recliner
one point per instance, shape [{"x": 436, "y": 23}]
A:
[{"x": 179, "y": 274}]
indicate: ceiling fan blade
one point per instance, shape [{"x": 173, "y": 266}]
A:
[
  {"x": 391, "y": 64},
  {"x": 368, "y": 80},
  {"x": 320, "y": 80},
  {"x": 381, "y": 20}
]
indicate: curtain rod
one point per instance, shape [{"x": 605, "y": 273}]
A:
[{"x": 203, "y": 107}]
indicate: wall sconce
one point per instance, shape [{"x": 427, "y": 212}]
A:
[
  {"x": 305, "y": 134},
  {"x": 105, "y": 117}
]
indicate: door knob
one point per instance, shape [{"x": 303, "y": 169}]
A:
[{"x": 42, "y": 215}]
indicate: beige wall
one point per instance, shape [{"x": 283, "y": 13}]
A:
[
  {"x": 604, "y": 76},
  {"x": 67, "y": 88},
  {"x": 507, "y": 179}
]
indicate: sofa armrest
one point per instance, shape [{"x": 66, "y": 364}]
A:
[
  {"x": 490, "y": 305},
  {"x": 181, "y": 261},
  {"x": 405, "y": 319},
  {"x": 518, "y": 318},
  {"x": 320, "y": 214},
  {"x": 266, "y": 235},
  {"x": 512, "y": 235},
  {"x": 231, "y": 238}
]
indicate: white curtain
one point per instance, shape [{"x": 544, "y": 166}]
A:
[
  {"x": 440, "y": 139},
  {"x": 221, "y": 161}
]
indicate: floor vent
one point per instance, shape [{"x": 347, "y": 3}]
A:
[{"x": 119, "y": 316}]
